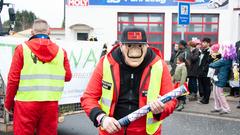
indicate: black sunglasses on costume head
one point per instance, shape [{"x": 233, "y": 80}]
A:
[{"x": 130, "y": 45}]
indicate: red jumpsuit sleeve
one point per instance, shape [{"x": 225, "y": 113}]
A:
[
  {"x": 68, "y": 74},
  {"x": 167, "y": 86},
  {"x": 93, "y": 90},
  {"x": 14, "y": 77}
]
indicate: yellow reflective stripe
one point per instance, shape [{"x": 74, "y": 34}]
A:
[
  {"x": 153, "y": 92},
  {"x": 40, "y": 88},
  {"x": 45, "y": 82},
  {"x": 41, "y": 76},
  {"x": 152, "y": 121},
  {"x": 38, "y": 96},
  {"x": 155, "y": 81},
  {"x": 107, "y": 94},
  {"x": 104, "y": 108},
  {"x": 106, "y": 102}
]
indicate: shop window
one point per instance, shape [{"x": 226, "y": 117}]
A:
[
  {"x": 210, "y": 18},
  {"x": 82, "y": 36},
  {"x": 143, "y": 26},
  {"x": 156, "y": 17},
  {"x": 156, "y": 27},
  {"x": 152, "y": 23},
  {"x": 125, "y": 18},
  {"x": 201, "y": 25},
  {"x": 210, "y": 28},
  {"x": 140, "y": 18},
  {"x": 155, "y": 37}
]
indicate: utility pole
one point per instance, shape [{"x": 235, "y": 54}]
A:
[{"x": 1, "y": 6}]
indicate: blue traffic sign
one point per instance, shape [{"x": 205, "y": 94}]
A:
[{"x": 183, "y": 13}]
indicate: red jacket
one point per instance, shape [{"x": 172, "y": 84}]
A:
[
  {"x": 93, "y": 92},
  {"x": 45, "y": 50}
]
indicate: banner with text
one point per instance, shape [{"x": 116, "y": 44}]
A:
[
  {"x": 83, "y": 57},
  {"x": 200, "y": 4}
]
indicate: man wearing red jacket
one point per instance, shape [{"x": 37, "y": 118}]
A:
[
  {"x": 35, "y": 83},
  {"x": 130, "y": 76}
]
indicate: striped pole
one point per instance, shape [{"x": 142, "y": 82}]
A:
[{"x": 180, "y": 91}]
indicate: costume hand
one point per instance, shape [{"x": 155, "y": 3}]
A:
[
  {"x": 9, "y": 112},
  {"x": 110, "y": 124},
  {"x": 156, "y": 106}
]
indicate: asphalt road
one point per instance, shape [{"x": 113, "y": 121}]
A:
[
  {"x": 182, "y": 123},
  {"x": 179, "y": 123},
  {"x": 78, "y": 124}
]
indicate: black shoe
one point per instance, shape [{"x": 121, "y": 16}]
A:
[
  {"x": 192, "y": 97},
  {"x": 238, "y": 106},
  {"x": 215, "y": 111},
  {"x": 180, "y": 107},
  {"x": 202, "y": 102}
]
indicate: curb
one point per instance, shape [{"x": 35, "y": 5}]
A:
[{"x": 229, "y": 116}]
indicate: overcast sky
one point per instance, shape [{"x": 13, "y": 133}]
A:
[{"x": 50, "y": 10}]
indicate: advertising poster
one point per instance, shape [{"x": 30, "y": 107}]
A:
[
  {"x": 202, "y": 4},
  {"x": 83, "y": 57}
]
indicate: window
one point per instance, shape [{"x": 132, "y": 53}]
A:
[
  {"x": 82, "y": 36},
  {"x": 201, "y": 25},
  {"x": 152, "y": 23}
]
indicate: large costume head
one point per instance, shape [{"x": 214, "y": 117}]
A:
[{"x": 133, "y": 46}]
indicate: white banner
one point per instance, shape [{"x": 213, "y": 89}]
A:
[{"x": 83, "y": 57}]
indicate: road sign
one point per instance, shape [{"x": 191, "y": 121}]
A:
[{"x": 183, "y": 13}]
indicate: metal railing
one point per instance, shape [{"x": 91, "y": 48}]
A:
[
  {"x": 68, "y": 109},
  {"x": 6, "y": 120}
]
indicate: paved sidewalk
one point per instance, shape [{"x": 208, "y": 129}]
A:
[{"x": 194, "y": 107}]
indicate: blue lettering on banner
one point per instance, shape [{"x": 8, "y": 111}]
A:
[{"x": 141, "y": 2}]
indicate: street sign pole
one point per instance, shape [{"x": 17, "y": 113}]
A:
[{"x": 182, "y": 32}]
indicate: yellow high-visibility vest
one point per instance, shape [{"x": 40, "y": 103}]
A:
[
  {"x": 153, "y": 92},
  {"x": 41, "y": 81}
]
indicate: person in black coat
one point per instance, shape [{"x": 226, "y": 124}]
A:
[
  {"x": 204, "y": 81},
  {"x": 193, "y": 68},
  {"x": 172, "y": 59}
]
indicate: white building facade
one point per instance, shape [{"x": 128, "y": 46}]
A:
[{"x": 105, "y": 19}]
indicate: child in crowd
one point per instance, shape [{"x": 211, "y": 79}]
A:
[
  {"x": 223, "y": 65},
  {"x": 179, "y": 78},
  {"x": 215, "y": 56}
]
